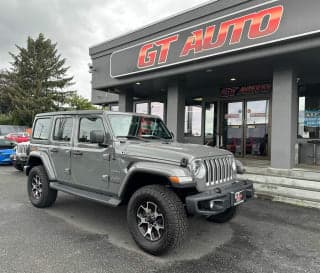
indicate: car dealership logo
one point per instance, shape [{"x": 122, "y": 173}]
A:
[{"x": 207, "y": 38}]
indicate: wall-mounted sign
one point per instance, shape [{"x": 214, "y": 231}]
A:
[
  {"x": 259, "y": 89},
  {"x": 312, "y": 118},
  {"x": 251, "y": 26}
]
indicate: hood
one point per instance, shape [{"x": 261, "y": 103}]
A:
[{"x": 170, "y": 151}]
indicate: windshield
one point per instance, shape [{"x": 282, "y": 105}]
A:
[{"x": 138, "y": 127}]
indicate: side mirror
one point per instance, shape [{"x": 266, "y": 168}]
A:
[
  {"x": 100, "y": 138},
  {"x": 97, "y": 136}
]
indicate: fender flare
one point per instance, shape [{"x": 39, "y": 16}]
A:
[
  {"x": 46, "y": 162},
  {"x": 152, "y": 168}
]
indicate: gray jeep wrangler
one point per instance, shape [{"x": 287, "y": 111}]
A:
[{"x": 131, "y": 159}]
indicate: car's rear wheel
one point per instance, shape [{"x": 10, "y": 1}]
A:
[
  {"x": 223, "y": 217},
  {"x": 40, "y": 193},
  {"x": 156, "y": 219}
]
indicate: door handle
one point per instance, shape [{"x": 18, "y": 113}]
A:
[
  {"x": 53, "y": 150},
  {"x": 77, "y": 153}
]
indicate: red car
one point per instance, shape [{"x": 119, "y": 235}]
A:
[{"x": 18, "y": 137}]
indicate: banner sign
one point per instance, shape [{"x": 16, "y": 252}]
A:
[{"x": 268, "y": 22}]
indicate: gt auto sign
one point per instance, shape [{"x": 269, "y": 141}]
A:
[
  {"x": 261, "y": 24},
  {"x": 249, "y": 27}
]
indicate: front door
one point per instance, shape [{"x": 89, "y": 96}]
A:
[
  {"x": 61, "y": 148},
  {"x": 90, "y": 163},
  {"x": 256, "y": 131},
  {"x": 246, "y": 126},
  {"x": 233, "y": 127}
]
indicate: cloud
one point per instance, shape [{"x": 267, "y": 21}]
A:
[{"x": 76, "y": 25}]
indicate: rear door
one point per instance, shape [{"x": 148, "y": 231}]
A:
[
  {"x": 60, "y": 150},
  {"x": 90, "y": 163}
]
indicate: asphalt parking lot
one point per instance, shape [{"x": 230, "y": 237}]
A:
[{"x": 76, "y": 235}]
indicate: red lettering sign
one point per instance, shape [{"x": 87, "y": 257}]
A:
[
  {"x": 260, "y": 24},
  {"x": 147, "y": 58},
  {"x": 271, "y": 16}
]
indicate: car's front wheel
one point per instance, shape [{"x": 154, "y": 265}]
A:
[
  {"x": 40, "y": 193},
  {"x": 156, "y": 219}
]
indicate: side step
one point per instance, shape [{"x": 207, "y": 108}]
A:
[{"x": 98, "y": 197}]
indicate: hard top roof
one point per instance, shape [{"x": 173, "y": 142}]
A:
[{"x": 89, "y": 112}]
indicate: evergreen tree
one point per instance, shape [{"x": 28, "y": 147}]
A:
[
  {"x": 37, "y": 80},
  {"x": 77, "y": 102}
]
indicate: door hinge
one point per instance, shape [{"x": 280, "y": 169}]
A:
[
  {"x": 106, "y": 178},
  {"x": 106, "y": 157}
]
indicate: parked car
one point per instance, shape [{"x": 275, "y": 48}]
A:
[
  {"x": 19, "y": 159},
  {"x": 6, "y": 150},
  {"x": 131, "y": 159},
  {"x": 18, "y": 137}
]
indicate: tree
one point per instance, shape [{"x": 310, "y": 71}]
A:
[
  {"x": 77, "y": 102},
  {"x": 37, "y": 80},
  {"x": 5, "y": 102}
]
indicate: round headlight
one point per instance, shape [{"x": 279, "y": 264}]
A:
[
  {"x": 234, "y": 165},
  {"x": 198, "y": 169}
]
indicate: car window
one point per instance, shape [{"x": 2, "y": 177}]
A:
[
  {"x": 140, "y": 126},
  {"x": 63, "y": 129},
  {"x": 88, "y": 124},
  {"x": 41, "y": 128}
]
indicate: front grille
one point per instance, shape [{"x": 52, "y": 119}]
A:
[
  {"x": 23, "y": 148},
  {"x": 219, "y": 170}
]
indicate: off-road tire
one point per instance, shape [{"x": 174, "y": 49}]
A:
[
  {"x": 175, "y": 219},
  {"x": 48, "y": 195},
  {"x": 223, "y": 217}
]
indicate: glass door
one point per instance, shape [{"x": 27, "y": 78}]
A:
[
  {"x": 233, "y": 127},
  {"x": 256, "y": 131}
]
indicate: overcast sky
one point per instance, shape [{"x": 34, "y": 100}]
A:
[{"x": 76, "y": 25}]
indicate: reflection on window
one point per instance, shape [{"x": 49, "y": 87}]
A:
[
  {"x": 114, "y": 108},
  {"x": 41, "y": 129},
  {"x": 192, "y": 122},
  {"x": 157, "y": 109},
  {"x": 209, "y": 127},
  {"x": 87, "y": 125},
  {"x": 62, "y": 129},
  {"x": 258, "y": 112},
  {"x": 309, "y": 114},
  {"x": 142, "y": 108},
  {"x": 234, "y": 114},
  {"x": 210, "y": 123},
  {"x": 137, "y": 126}
]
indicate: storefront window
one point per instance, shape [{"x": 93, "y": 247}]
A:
[
  {"x": 142, "y": 108},
  {"x": 157, "y": 109},
  {"x": 210, "y": 124},
  {"x": 309, "y": 112},
  {"x": 192, "y": 122}
]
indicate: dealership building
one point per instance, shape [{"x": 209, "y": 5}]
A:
[{"x": 239, "y": 74}]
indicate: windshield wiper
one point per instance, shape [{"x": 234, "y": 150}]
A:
[
  {"x": 132, "y": 137},
  {"x": 155, "y": 137}
]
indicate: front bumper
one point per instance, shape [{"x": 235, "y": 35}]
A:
[
  {"x": 221, "y": 197},
  {"x": 19, "y": 159}
]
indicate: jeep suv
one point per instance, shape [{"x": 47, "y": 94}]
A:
[{"x": 132, "y": 159}]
